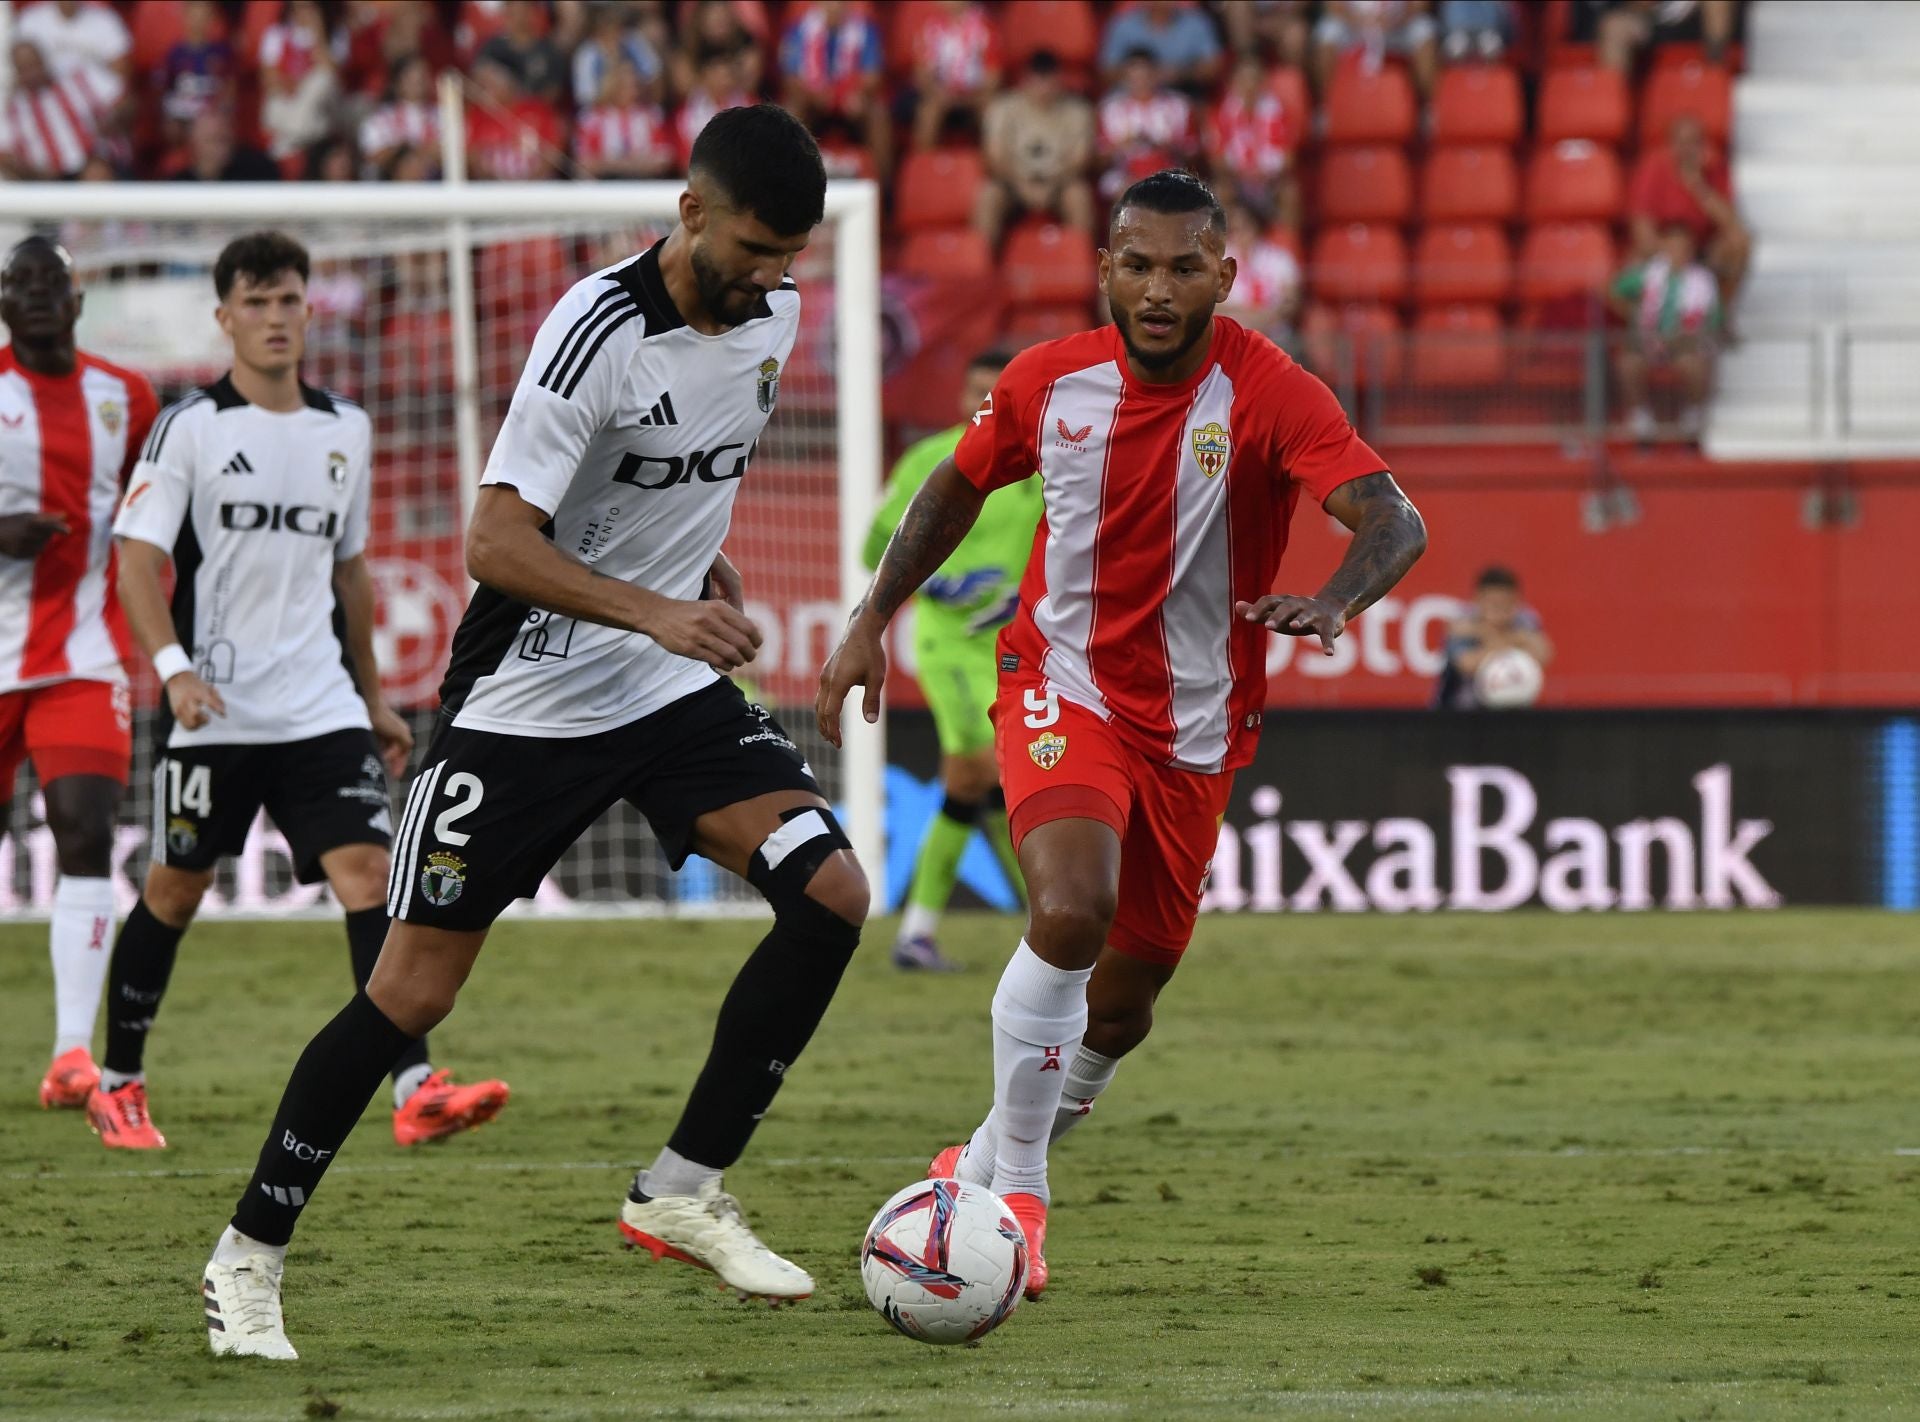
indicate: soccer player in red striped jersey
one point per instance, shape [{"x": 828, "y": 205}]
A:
[
  {"x": 1173, "y": 447},
  {"x": 71, "y": 426}
]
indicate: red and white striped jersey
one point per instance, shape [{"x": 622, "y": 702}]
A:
[
  {"x": 400, "y": 122},
  {"x": 1165, "y": 504},
  {"x": 66, "y": 444},
  {"x": 56, "y": 128},
  {"x": 1252, "y": 139},
  {"x": 1162, "y": 121},
  {"x": 608, "y": 133}
]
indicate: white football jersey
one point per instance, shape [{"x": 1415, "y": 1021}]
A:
[
  {"x": 633, "y": 431},
  {"x": 256, "y": 507}
]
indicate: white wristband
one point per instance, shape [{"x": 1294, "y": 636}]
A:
[{"x": 170, "y": 661}]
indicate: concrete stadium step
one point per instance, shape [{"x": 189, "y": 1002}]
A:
[
  {"x": 1804, "y": 121},
  {"x": 1845, "y": 40},
  {"x": 1877, "y": 202}
]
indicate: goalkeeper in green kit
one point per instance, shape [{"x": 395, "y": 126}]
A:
[{"x": 956, "y": 618}]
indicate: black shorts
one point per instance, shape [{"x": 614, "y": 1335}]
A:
[
  {"x": 322, "y": 793},
  {"x": 489, "y": 814}
]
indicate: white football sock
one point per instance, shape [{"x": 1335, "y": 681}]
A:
[
  {"x": 235, "y": 1247},
  {"x": 918, "y": 922},
  {"x": 111, "y": 1080},
  {"x": 1039, "y": 1017},
  {"x": 1090, "y": 1074},
  {"x": 975, "y": 1165},
  {"x": 673, "y": 1174},
  {"x": 80, "y": 940},
  {"x": 410, "y": 1081}
]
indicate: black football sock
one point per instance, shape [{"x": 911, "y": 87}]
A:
[
  {"x": 776, "y": 1001},
  {"x": 366, "y": 934},
  {"x": 137, "y": 977},
  {"x": 331, "y": 1085}
]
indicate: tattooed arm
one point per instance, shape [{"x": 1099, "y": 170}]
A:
[
  {"x": 1388, "y": 535},
  {"x": 935, "y": 522}
]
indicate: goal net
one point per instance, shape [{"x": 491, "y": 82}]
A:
[{"x": 426, "y": 299}]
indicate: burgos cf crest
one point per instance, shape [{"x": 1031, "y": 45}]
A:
[
  {"x": 769, "y": 388},
  {"x": 1046, "y": 750},
  {"x": 1210, "y": 449},
  {"x": 443, "y": 878}
]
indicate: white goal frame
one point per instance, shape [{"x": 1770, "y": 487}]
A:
[{"x": 852, "y": 207}]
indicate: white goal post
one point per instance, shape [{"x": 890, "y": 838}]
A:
[{"x": 441, "y": 286}]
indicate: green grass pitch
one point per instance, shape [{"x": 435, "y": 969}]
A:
[{"x": 1449, "y": 1168}]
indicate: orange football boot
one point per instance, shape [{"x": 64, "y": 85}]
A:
[
  {"x": 119, "y": 1117},
  {"x": 441, "y": 1108},
  {"x": 1031, "y": 1211},
  {"x": 946, "y": 1165},
  {"x": 68, "y": 1081}
]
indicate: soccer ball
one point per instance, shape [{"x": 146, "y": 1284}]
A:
[
  {"x": 1508, "y": 678},
  {"x": 944, "y": 1261}
]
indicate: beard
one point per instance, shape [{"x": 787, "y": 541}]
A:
[
  {"x": 1191, "y": 333},
  {"x": 725, "y": 302}
]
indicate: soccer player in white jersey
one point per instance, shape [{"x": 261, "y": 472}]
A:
[
  {"x": 591, "y": 668},
  {"x": 70, "y": 427},
  {"x": 257, "y": 487}
]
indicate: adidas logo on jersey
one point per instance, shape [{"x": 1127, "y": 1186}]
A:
[
  {"x": 237, "y": 465},
  {"x": 661, "y": 413}
]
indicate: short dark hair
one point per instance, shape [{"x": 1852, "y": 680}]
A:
[
  {"x": 766, "y": 163},
  {"x": 992, "y": 358},
  {"x": 259, "y": 256},
  {"x": 1497, "y": 577},
  {"x": 1043, "y": 61},
  {"x": 1174, "y": 190}
]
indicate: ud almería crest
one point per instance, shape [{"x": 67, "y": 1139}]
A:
[
  {"x": 768, "y": 390},
  {"x": 1046, "y": 750},
  {"x": 1210, "y": 448}
]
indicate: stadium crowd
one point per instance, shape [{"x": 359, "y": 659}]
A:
[{"x": 1458, "y": 169}]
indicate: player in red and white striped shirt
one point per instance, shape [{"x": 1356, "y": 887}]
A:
[
  {"x": 71, "y": 426},
  {"x": 1173, "y": 447},
  {"x": 51, "y": 126}
]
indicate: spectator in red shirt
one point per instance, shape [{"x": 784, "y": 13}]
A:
[
  {"x": 510, "y": 135},
  {"x": 624, "y": 135},
  {"x": 831, "y": 64},
  {"x": 1144, "y": 126},
  {"x": 408, "y": 119},
  {"x": 1687, "y": 184},
  {"x": 382, "y": 36},
  {"x": 956, "y": 68},
  {"x": 1266, "y": 285},
  {"x": 1251, "y": 138}
]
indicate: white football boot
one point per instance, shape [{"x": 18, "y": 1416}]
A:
[
  {"x": 708, "y": 1230},
  {"x": 243, "y": 1309}
]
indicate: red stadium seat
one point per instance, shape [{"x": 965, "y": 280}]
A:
[
  {"x": 1574, "y": 181},
  {"x": 1369, "y": 108},
  {"x": 1583, "y": 103},
  {"x": 947, "y": 252},
  {"x": 1358, "y": 342},
  {"x": 1289, "y": 86},
  {"x": 1702, "y": 90},
  {"x": 1561, "y": 259},
  {"x": 1067, "y": 27},
  {"x": 901, "y": 20},
  {"x": 1469, "y": 185},
  {"x": 1477, "y": 103},
  {"x": 157, "y": 25},
  {"x": 936, "y": 188},
  {"x": 1462, "y": 262},
  {"x": 1357, "y": 263},
  {"x": 1044, "y": 263},
  {"x": 1455, "y": 347},
  {"x": 1029, "y": 325},
  {"x": 1371, "y": 184}
]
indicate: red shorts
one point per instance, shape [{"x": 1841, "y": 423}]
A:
[
  {"x": 1059, "y": 761},
  {"x": 69, "y": 728}
]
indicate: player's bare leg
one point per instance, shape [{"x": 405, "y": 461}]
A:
[
  {"x": 427, "y": 1105},
  {"x": 787, "y": 845},
  {"x": 420, "y": 973},
  {"x": 80, "y": 812},
  {"x": 1072, "y": 868}
]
